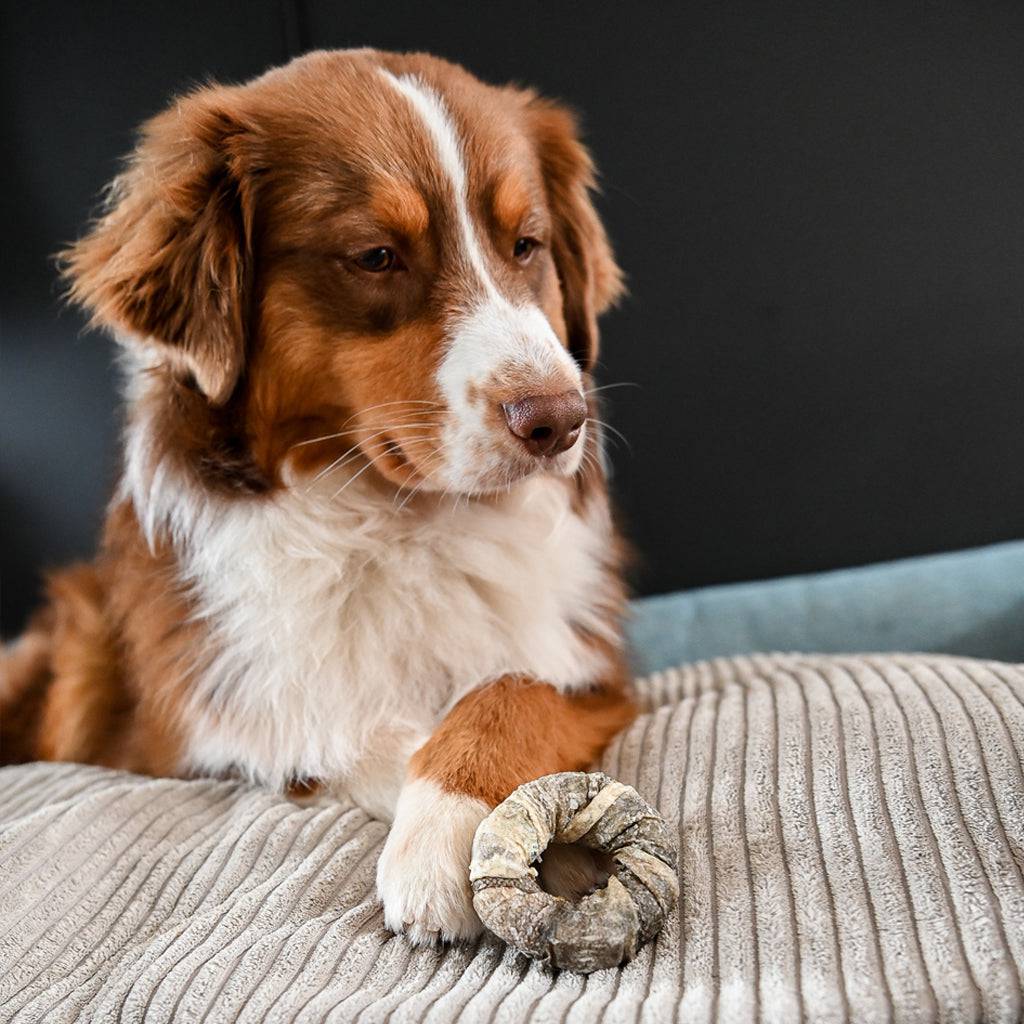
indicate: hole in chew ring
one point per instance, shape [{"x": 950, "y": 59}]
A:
[{"x": 604, "y": 929}]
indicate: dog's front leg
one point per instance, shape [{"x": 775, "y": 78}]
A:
[{"x": 497, "y": 737}]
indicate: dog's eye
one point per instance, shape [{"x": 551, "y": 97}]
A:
[
  {"x": 524, "y": 247},
  {"x": 376, "y": 261}
]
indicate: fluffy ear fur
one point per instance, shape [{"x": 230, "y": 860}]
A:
[
  {"x": 170, "y": 261},
  {"x": 591, "y": 280}
]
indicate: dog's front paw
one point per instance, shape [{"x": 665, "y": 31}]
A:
[{"x": 423, "y": 871}]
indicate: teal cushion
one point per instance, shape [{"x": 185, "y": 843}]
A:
[{"x": 967, "y": 602}]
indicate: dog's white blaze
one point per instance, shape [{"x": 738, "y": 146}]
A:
[
  {"x": 430, "y": 107},
  {"x": 491, "y": 336}
]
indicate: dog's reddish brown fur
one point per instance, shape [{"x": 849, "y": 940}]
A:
[
  {"x": 218, "y": 243},
  {"x": 517, "y": 729},
  {"x": 109, "y": 688}
]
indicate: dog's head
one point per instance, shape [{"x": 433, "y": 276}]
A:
[{"x": 360, "y": 259}]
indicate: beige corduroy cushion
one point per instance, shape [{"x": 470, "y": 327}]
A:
[{"x": 852, "y": 847}]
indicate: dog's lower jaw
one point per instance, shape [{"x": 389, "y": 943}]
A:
[{"x": 423, "y": 871}]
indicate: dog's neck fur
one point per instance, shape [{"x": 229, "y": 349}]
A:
[{"x": 342, "y": 625}]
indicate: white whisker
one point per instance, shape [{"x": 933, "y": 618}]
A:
[
  {"x": 355, "y": 430},
  {"x": 385, "y": 405},
  {"x": 357, "y": 450},
  {"x": 588, "y": 462},
  {"x": 388, "y": 447},
  {"x": 607, "y": 426},
  {"x": 437, "y": 454},
  {"x": 608, "y": 387},
  {"x": 355, "y": 476},
  {"x": 342, "y": 459}
]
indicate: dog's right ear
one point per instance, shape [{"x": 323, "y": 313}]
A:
[{"x": 170, "y": 262}]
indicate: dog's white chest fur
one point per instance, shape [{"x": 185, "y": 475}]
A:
[{"x": 342, "y": 629}]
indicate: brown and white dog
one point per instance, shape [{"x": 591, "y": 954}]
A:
[{"x": 361, "y": 538}]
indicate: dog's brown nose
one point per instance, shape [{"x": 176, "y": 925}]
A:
[{"x": 547, "y": 424}]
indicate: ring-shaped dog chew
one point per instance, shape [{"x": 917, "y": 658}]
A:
[{"x": 604, "y": 929}]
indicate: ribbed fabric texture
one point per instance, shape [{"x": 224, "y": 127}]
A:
[{"x": 852, "y": 847}]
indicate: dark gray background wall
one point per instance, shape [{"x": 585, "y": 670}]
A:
[{"x": 820, "y": 207}]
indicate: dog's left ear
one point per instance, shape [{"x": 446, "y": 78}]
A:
[{"x": 590, "y": 278}]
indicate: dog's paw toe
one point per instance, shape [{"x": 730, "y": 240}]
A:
[{"x": 423, "y": 871}]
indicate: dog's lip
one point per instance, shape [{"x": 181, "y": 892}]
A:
[
  {"x": 518, "y": 466},
  {"x": 399, "y": 459},
  {"x": 392, "y": 446}
]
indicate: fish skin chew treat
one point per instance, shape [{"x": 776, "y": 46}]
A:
[{"x": 607, "y": 927}]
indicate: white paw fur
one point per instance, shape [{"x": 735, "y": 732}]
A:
[{"x": 423, "y": 871}]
